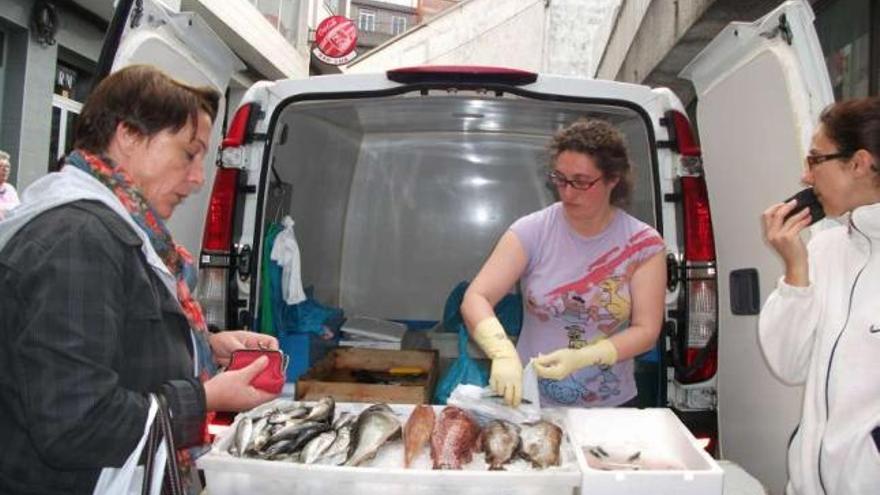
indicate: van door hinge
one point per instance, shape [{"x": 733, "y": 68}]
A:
[{"x": 782, "y": 29}]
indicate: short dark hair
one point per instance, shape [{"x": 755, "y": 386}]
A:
[
  {"x": 854, "y": 125},
  {"x": 605, "y": 144},
  {"x": 146, "y": 100}
]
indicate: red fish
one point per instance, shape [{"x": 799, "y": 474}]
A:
[
  {"x": 456, "y": 436},
  {"x": 417, "y": 432}
]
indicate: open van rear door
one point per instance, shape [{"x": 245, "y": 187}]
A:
[
  {"x": 182, "y": 45},
  {"x": 760, "y": 88}
]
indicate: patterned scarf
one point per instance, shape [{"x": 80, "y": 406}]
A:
[{"x": 178, "y": 260}]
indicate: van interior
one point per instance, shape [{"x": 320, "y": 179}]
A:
[{"x": 397, "y": 199}]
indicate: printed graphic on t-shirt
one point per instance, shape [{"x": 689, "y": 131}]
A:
[{"x": 593, "y": 307}]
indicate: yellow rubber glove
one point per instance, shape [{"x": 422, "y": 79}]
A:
[
  {"x": 559, "y": 364},
  {"x": 507, "y": 370}
]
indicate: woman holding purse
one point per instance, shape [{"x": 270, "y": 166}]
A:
[{"x": 96, "y": 309}]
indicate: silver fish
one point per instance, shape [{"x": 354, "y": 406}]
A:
[
  {"x": 337, "y": 453},
  {"x": 500, "y": 443},
  {"x": 283, "y": 416},
  {"x": 323, "y": 410},
  {"x": 244, "y": 433},
  {"x": 540, "y": 443},
  {"x": 291, "y": 431},
  {"x": 345, "y": 418},
  {"x": 375, "y": 425},
  {"x": 317, "y": 446},
  {"x": 261, "y": 435}
]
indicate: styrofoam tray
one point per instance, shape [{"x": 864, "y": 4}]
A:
[
  {"x": 228, "y": 475},
  {"x": 656, "y": 432}
]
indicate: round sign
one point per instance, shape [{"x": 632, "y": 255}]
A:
[{"x": 336, "y": 36}]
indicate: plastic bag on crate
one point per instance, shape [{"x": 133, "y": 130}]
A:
[
  {"x": 463, "y": 371},
  {"x": 486, "y": 405}
]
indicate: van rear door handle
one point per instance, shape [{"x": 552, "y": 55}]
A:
[{"x": 745, "y": 293}]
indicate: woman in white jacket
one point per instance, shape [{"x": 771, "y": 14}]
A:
[{"x": 821, "y": 326}]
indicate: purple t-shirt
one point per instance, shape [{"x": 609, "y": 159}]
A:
[{"x": 576, "y": 292}]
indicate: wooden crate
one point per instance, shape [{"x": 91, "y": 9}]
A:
[{"x": 346, "y": 375}]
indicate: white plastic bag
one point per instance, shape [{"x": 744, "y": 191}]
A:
[
  {"x": 128, "y": 479},
  {"x": 487, "y": 406}
]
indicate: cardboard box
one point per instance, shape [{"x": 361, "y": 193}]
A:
[{"x": 371, "y": 375}]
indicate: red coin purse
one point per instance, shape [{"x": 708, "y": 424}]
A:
[{"x": 271, "y": 379}]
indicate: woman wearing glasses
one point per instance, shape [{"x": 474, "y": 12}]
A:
[
  {"x": 593, "y": 277},
  {"x": 821, "y": 326}
]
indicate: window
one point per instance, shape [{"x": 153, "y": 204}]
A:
[
  {"x": 367, "y": 20},
  {"x": 283, "y": 15},
  {"x": 333, "y": 6},
  {"x": 844, "y": 29},
  {"x": 398, "y": 24}
]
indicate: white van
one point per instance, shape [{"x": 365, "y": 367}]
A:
[{"x": 400, "y": 183}]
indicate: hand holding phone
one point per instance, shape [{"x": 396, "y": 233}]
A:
[{"x": 806, "y": 198}]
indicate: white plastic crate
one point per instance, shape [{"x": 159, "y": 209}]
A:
[
  {"x": 229, "y": 475},
  {"x": 656, "y": 434}
]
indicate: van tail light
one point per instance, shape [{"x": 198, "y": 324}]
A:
[
  {"x": 241, "y": 127},
  {"x": 698, "y": 355},
  {"x": 216, "y": 258}
]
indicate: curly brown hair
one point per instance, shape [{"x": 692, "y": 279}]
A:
[{"x": 604, "y": 143}]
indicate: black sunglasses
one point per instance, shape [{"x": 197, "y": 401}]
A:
[{"x": 560, "y": 180}]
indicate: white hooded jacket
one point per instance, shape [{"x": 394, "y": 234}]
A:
[{"x": 827, "y": 335}]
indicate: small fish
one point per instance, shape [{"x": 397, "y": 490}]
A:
[
  {"x": 454, "y": 439},
  {"x": 337, "y": 453},
  {"x": 540, "y": 443},
  {"x": 501, "y": 443},
  {"x": 261, "y": 435},
  {"x": 291, "y": 431},
  {"x": 244, "y": 433},
  {"x": 375, "y": 425},
  {"x": 345, "y": 418},
  {"x": 317, "y": 446},
  {"x": 323, "y": 410},
  {"x": 417, "y": 432}
]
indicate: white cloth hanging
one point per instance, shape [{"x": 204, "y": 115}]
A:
[{"x": 285, "y": 252}]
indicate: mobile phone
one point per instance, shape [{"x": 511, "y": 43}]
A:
[{"x": 806, "y": 198}]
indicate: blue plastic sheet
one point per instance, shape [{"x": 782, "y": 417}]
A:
[
  {"x": 464, "y": 370},
  {"x": 508, "y": 310}
]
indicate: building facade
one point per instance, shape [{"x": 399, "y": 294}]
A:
[{"x": 49, "y": 51}]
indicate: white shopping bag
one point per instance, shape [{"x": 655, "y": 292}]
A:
[{"x": 128, "y": 479}]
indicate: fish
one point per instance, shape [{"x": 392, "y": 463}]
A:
[
  {"x": 375, "y": 425},
  {"x": 540, "y": 443},
  {"x": 337, "y": 453},
  {"x": 454, "y": 439},
  {"x": 284, "y": 416},
  {"x": 293, "y": 431},
  {"x": 417, "y": 432},
  {"x": 262, "y": 433},
  {"x": 244, "y": 433},
  {"x": 345, "y": 418},
  {"x": 317, "y": 446},
  {"x": 501, "y": 443},
  {"x": 323, "y": 410},
  {"x": 293, "y": 442}
]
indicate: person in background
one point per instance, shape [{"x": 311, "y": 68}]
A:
[
  {"x": 821, "y": 326},
  {"x": 8, "y": 194},
  {"x": 593, "y": 281},
  {"x": 95, "y": 303}
]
